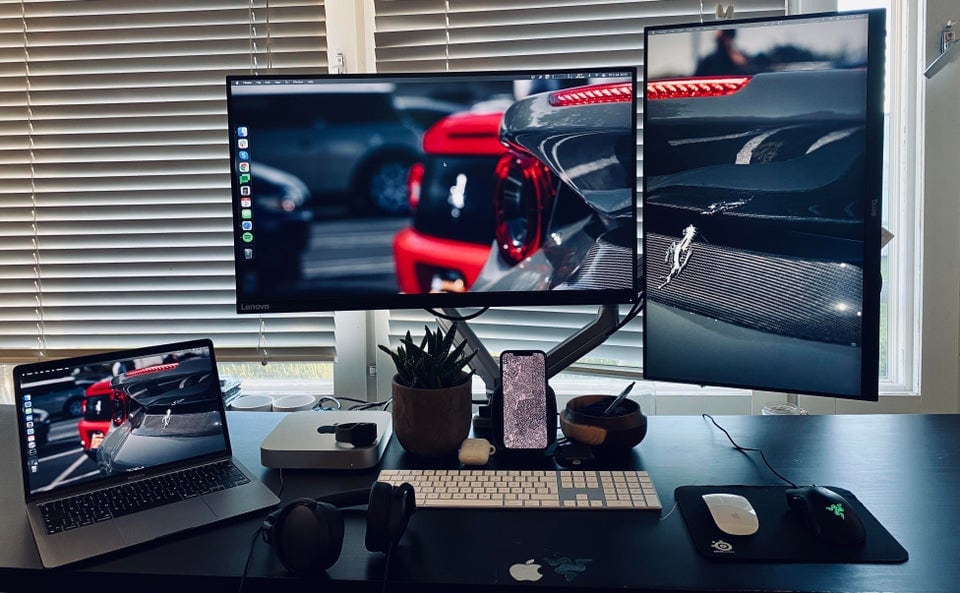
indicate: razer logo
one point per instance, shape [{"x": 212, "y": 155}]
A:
[
  {"x": 569, "y": 568},
  {"x": 837, "y": 509}
]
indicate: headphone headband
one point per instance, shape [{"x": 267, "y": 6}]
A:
[
  {"x": 349, "y": 498},
  {"x": 307, "y": 533}
]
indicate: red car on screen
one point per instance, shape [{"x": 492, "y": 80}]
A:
[
  {"x": 564, "y": 202},
  {"x": 451, "y": 192},
  {"x": 97, "y": 415}
]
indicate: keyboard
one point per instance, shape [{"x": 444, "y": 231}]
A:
[
  {"x": 92, "y": 507},
  {"x": 528, "y": 489}
]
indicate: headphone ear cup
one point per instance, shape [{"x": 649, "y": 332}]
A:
[
  {"x": 307, "y": 536},
  {"x": 388, "y": 512}
]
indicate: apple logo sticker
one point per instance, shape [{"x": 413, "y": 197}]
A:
[{"x": 527, "y": 571}]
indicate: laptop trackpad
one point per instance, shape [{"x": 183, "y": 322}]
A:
[{"x": 150, "y": 524}]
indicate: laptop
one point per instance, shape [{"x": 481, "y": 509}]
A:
[{"x": 148, "y": 455}]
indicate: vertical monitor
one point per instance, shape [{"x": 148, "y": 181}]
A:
[
  {"x": 762, "y": 154},
  {"x": 434, "y": 190}
]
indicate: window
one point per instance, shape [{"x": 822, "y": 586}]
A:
[
  {"x": 116, "y": 224},
  {"x": 897, "y": 371},
  {"x": 461, "y": 36},
  {"x": 115, "y": 195},
  {"x": 499, "y": 35}
]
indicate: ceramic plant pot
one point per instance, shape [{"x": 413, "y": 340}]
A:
[{"x": 431, "y": 422}]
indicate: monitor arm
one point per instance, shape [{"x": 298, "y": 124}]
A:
[{"x": 559, "y": 357}]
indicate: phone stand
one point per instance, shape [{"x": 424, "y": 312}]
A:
[
  {"x": 497, "y": 413},
  {"x": 570, "y": 350}
]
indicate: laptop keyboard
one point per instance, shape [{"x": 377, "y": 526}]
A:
[{"x": 92, "y": 507}]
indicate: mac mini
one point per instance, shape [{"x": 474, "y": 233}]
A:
[{"x": 308, "y": 440}]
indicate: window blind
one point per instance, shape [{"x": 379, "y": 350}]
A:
[
  {"x": 115, "y": 218},
  {"x": 431, "y": 35},
  {"x": 457, "y": 35}
]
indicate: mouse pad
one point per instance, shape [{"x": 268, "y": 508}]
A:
[{"x": 783, "y": 535}]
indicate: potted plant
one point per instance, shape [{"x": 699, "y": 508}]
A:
[{"x": 432, "y": 400}]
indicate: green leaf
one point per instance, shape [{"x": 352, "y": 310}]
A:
[{"x": 435, "y": 362}]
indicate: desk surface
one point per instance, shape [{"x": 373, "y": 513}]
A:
[{"x": 904, "y": 468}]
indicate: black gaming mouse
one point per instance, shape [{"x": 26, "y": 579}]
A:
[{"x": 829, "y": 515}]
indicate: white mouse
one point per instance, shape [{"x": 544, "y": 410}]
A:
[{"x": 732, "y": 513}]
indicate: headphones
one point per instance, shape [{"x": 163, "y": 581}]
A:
[{"x": 307, "y": 533}]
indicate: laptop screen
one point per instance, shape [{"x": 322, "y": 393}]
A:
[{"x": 105, "y": 416}]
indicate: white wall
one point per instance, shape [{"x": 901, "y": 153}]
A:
[{"x": 941, "y": 220}]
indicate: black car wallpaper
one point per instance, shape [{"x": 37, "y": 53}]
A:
[
  {"x": 143, "y": 412},
  {"x": 458, "y": 189},
  {"x": 757, "y": 199}
]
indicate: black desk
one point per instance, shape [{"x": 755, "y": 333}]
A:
[{"x": 904, "y": 468}]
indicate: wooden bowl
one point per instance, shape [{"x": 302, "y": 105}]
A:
[{"x": 608, "y": 434}]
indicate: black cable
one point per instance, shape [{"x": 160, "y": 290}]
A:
[
  {"x": 327, "y": 398},
  {"x": 630, "y": 316},
  {"x": 279, "y": 491},
  {"x": 350, "y": 399},
  {"x": 635, "y": 310},
  {"x": 256, "y": 534},
  {"x": 246, "y": 565},
  {"x": 360, "y": 404},
  {"x": 745, "y": 449},
  {"x": 369, "y": 406},
  {"x": 386, "y": 568},
  {"x": 638, "y": 306},
  {"x": 436, "y": 313}
]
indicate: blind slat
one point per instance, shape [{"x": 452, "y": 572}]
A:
[
  {"x": 116, "y": 228},
  {"x": 427, "y": 36}
]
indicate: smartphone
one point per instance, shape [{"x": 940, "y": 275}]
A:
[{"x": 526, "y": 398}]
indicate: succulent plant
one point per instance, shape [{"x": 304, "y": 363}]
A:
[{"x": 434, "y": 363}]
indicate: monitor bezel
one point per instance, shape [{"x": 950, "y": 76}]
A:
[
  {"x": 312, "y": 302},
  {"x": 872, "y": 220},
  {"x": 97, "y": 358}
]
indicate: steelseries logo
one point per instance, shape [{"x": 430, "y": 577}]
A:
[
  {"x": 721, "y": 547},
  {"x": 254, "y": 307}
]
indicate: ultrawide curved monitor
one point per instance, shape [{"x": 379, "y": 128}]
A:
[
  {"x": 434, "y": 190},
  {"x": 761, "y": 204}
]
